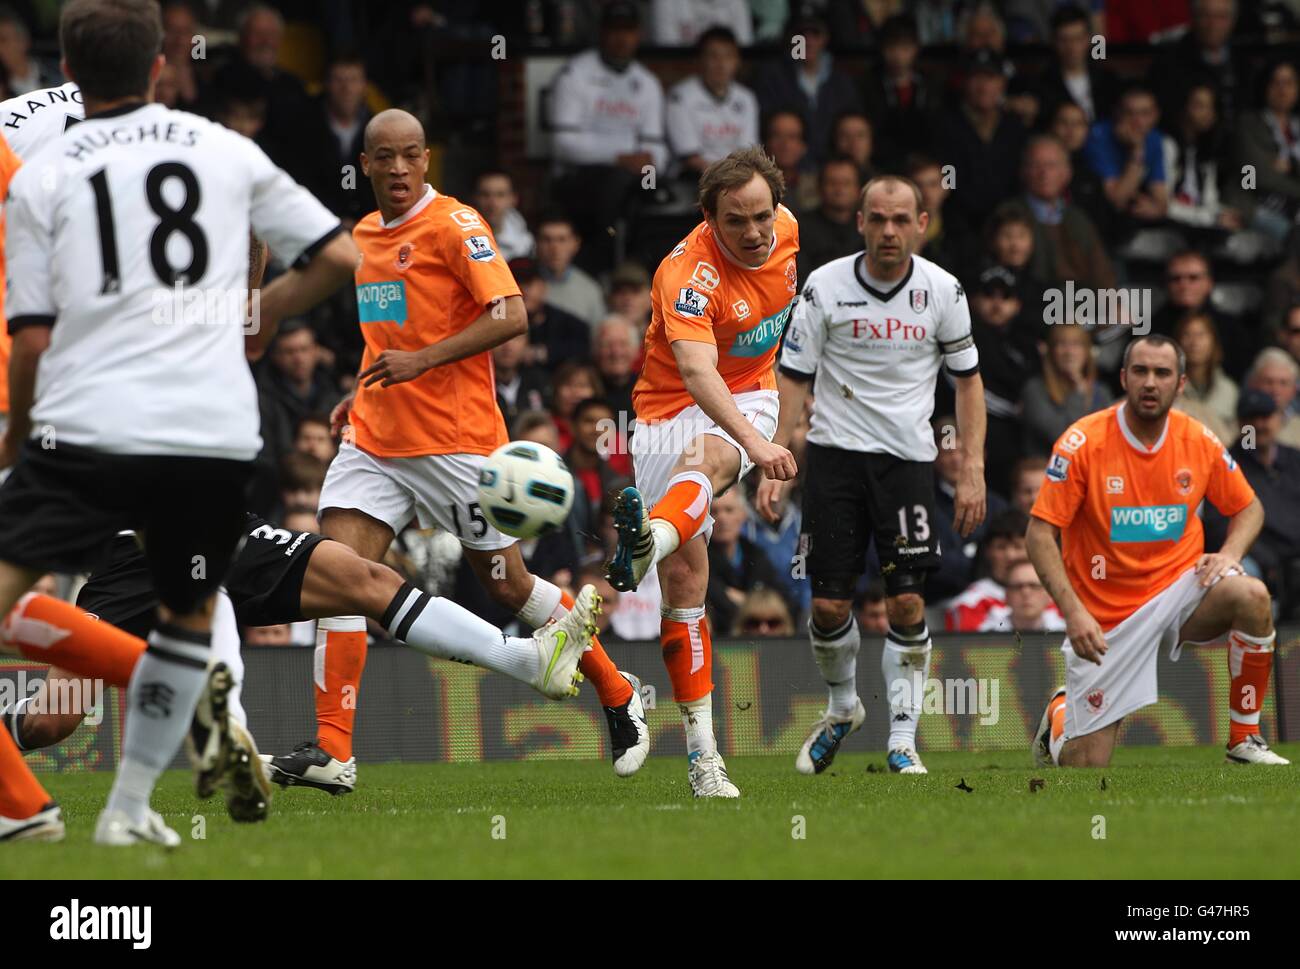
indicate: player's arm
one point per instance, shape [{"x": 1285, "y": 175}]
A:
[
  {"x": 299, "y": 289},
  {"x": 503, "y": 320},
  {"x": 1243, "y": 528},
  {"x": 1083, "y": 630},
  {"x": 972, "y": 422},
  {"x": 792, "y": 389},
  {"x": 698, "y": 364}
]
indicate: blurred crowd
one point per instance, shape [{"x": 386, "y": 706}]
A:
[{"x": 1146, "y": 150}]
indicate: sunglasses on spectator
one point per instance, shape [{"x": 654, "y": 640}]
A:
[{"x": 754, "y": 624}]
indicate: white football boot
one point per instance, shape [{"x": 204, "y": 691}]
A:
[
  {"x": 115, "y": 828},
  {"x": 1253, "y": 750},
  {"x": 636, "y": 543},
  {"x": 818, "y": 751},
  {"x": 629, "y": 734},
  {"x": 708, "y": 776},
  {"x": 45, "y": 825},
  {"x": 560, "y": 646},
  {"x": 309, "y": 765}
]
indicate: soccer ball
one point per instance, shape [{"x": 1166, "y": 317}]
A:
[{"x": 525, "y": 489}]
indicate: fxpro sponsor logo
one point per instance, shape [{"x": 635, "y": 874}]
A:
[
  {"x": 383, "y": 302},
  {"x": 1147, "y": 523},
  {"x": 761, "y": 337},
  {"x": 98, "y": 923}
]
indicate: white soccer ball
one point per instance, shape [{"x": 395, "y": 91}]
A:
[{"x": 525, "y": 489}]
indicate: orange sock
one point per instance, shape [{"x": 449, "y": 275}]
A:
[
  {"x": 688, "y": 652},
  {"x": 52, "y": 631},
  {"x": 598, "y": 668},
  {"x": 340, "y": 659},
  {"x": 1056, "y": 716},
  {"x": 21, "y": 794},
  {"x": 1250, "y": 660},
  {"x": 686, "y": 504}
]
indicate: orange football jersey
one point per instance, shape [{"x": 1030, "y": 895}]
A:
[
  {"x": 701, "y": 292},
  {"x": 9, "y": 163},
  {"x": 421, "y": 280},
  {"x": 1127, "y": 513}
]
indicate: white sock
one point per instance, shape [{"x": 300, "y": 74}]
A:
[
  {"x": 161, "y": 697},
  {"x": 543, "y": 604},
  {"x": 439, "y": 627},
  {"x": 225, "y": 649},
  {"x": 836, "y": 654},
  {"x": 697, "y": 719},
  {"x": 905, "y": 663}
]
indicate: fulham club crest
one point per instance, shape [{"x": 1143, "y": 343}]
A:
[{"x": 920, "y": 299}]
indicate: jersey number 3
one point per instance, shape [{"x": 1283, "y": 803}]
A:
[{"x": 170, "y": 221}]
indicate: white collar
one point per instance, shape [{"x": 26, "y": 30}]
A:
[
  {"x": 1133, "y": 439},
  {"x": 428, "y": 196}
]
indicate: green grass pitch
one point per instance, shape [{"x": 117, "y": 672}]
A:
[{"x": 1167, "y": 813}]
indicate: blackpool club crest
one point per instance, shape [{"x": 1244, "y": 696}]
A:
[{"x": 920, "y": 299}]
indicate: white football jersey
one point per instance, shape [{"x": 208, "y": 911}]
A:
[
  {"x": 700, "y": 124},
  {"x": 32, "y": 120},
  {"x": 129, "y": 233},
  {"x": 598, "y": 113},
  {"x": 876, "y": 355}
]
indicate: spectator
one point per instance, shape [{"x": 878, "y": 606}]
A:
[
  {"x": 313, "y": 437},
  {"x": 609, "y": 599},
  {"x": 1066, "y": 243},
  {"x": 810, "y": 86},
  {"x": 1004, "y": 543},
  {"x": 1283, "y": 291},
  {"x": 899, "y": 99},
  {"x": 537, "y": 426},
  {"x": 681, "y": 23},
  {"x": 167, "y": 90},
  {"x": 1026, "y": 481},
  {"x": 281, "y": 635},
  {"x": 852, "y": 137},
  {"x": 1066, "y": 390},
  {"x": 957, "y": 554},
  {"x": 1191, "y": 164},
  {"x": 261, "y": 31},
  {"x": 1273, "y": 470},
  {"x": 948, "y": 242},
  {"x": 859, "y": 24},
  {"x": 629, "y": 296},
  {"x": 293, "y": 384},
  {"x": 23, "y": 72},
  {"x": 831, "y": 230},
  {"x": 616, "y": 350},
  {"x": 335, "y": 140},
  {"x": 241, "y": 107},
  {"x": 1005, "y": 357},
  {"x": 869, "y": 608},
  {"x": 981, "y": 28},
  {"x": 1069, "y": 125},
  {"x": 981, "y": 140},
  {"x": 607, "y": 115},
  {"x": 1128, "y": 155},
  {"x": 496, "y": 200},
  {"x": 1276, "y": 374},
  {"x": 736, "y": 565},
  {"x": 179, "y": 27},
  {"x": 567, "y": 286},
  {"x": 520, "y": 387},
  {"x": 1203, "y": 52},
  {"x": 301, "y": 479},
  {"x": 763, "y": 613},
  {"x": 573, "y": 382},
  {"x": 1028, "y": 607},
  {"x": 709, "y": 114},
  {"x": 589, "y": 458},
  {"x": 1268, "y": 140},
  {"x": 554, "y": 334},
  {"x": 1289, "y": 337},
  {"x": 1189, "y": 284},
  {"x": 1151, "y": 22},
  {"x": 783, "y": 139},
  {"x": 1074, "y": 75},
  {"x": 779, "y": 541},
  {"x": 770, "y": 18},
  {"x": 1209, "y": 395},
  {"x": 1010, "y": 241}
]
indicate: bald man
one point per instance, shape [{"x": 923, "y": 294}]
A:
[{"x": 434, "y": 296}]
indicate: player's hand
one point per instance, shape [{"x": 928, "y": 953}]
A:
[
  {"x": 1085, "y": 635},
  {"x": 1212, "y": 566},
  {"x": 769, "y": 497},
  {"x": 339, "y": 415},
  {"x": 968, "y": 507},
  {"x": 777, "y": 462},
  {"x": 394, "y": 367}
]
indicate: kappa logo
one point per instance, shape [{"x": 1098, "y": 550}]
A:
[
  {"x": 920, "y": 299},
  {"x": 467, "y": 219},
  {"x": 1096, "y": 699},
  {"x": 705, "y": 276},
  {"x": 741, "y": 308},
  {"x": 1183, "y": 479},
  {"x": 690, "y": 303},
  {"x": 1114, "y": 484}
]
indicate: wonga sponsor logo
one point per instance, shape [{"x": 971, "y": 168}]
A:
[
  {"x": 382, "y": 302},
  {"x": 1147, "y": 523},
  {"x": 757, "y": 340}
]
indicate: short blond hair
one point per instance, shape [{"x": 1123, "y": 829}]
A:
[{"x": 735, "y": 171}]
